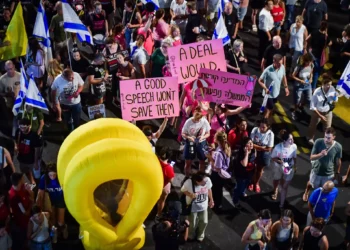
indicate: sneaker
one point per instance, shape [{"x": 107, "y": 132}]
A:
[
  {"x": 254, "y": 28},
  {"x": 251, "y": 187},
  {"x": 237, "y": 206},
  {"x": 294, "y": 115},
  {"x": 311, "y": 141}
]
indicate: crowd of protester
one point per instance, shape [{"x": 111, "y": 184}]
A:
[{"x": 131, "y": 42}]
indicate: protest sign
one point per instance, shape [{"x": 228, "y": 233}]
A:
[
  {"x": 186, "y": 60},
  {"x": 227, "y": 88},
  {"x": 98, "y": 110},
  {"x": 150, "y": 98}
]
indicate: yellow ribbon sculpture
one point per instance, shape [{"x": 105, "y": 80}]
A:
[{"x": 101, "y": 151}]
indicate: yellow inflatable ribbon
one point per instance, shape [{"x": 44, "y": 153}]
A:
[{"x": 100, "y": 151}]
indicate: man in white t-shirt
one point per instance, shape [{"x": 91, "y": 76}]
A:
[
  {"x": 66, "y": 90},
  {"x": 178, "y": 12}
]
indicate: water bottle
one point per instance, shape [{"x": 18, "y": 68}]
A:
[
  {"x": 53, "y": 234},
  {"x": 191, "y": 148}
]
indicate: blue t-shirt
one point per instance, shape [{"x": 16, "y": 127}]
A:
[
  {"x": 325, "y": 203},
  {"x": 54, "y": 189}
]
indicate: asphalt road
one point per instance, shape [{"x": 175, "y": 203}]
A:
[{"x": 225, "y": 230}]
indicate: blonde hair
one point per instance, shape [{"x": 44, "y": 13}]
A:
[
  {"x": 173, "y": 27},
  {"x": 221, "y": 140},
  {"x": 299, "y": 18},
  {"x": 54, "y": 68}
]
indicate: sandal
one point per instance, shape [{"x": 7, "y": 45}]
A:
[
  {"x": 257, "y": 188},
  {"x": 305, "y": 197},
  {"x": 274, "y": 195}
]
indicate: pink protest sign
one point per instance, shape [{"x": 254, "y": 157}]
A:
[
  {"x": 186, "y": 60},
  {"x": 150, "y": 98},
  {"x": 224, "y": 87}
]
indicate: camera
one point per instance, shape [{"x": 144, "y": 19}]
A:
[{"x": 169, "y": 233}]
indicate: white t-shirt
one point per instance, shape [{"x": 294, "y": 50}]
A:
[
  {"x": 66, "y": 89},
  {"x": 179, "y": 9},
  {"x": 201, "y": 202},
  {"x": 193, "y": 128},
  {"x": 266, "y": 139},
  {"x": 285, "y": 154}
]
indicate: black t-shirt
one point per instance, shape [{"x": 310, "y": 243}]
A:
[
  {"x": 194, "y": 20},
  {"x": 99, "y": 72},
  {"x": 80, "y": 66},
  {"x": 241, "y": 171},
  {"x": 318, "y": 42},
  {"x": 96, "y": 22},
  {"x": 230, "y": 22},
  {"x": 270, "y": 52},
  {"x": 315, "y": 13},
  {"x": 26, "y": 146},
  {"x": 234, "y": 60}
]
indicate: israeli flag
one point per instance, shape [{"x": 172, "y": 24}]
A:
[
  {"x": 266, "y": 97},
  {"x": 33, "y": 96},
  {"x": 236, "y": 3},
  {"x": 22, "y": 91},
  {"x": 41, "y": 30},
  {"x": 155, "y": 2},
  {"x": 72, "y": 23},
  {"x": 344, "y": 82},
  {"x": 220, "y": 31}
]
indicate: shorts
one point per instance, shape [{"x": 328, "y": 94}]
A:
[
  {"x": 58, "y": 203},
  {"x": 270, "y": 104},
  {"x": 277, "y": 25},
  {"x": 263, "y": 159},
  {"x": 317, "y": 181},
  {"x": 198, "y": 151},
  {"x": 167, "y": 188},
  {"x": 257, "y": 4},
  {"x": 241, "y": 12},
  {"x": 26, "y": 168},
  {"x": 279, "y": 175}
]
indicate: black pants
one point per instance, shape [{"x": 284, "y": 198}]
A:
[
  {"x": 263, "y": 43},
  {"x": 218, "y": 184}
]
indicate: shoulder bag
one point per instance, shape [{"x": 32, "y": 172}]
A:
[{"x": 186, "y": 208}]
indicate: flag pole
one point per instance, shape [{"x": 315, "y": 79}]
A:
[
  {"x": 70, "y": 59},
  {"x": 133, "y": 12}
]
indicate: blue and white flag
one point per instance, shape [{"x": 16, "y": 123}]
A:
[
  {"x": 33, "y": 96},
  {"x": 236, "y": 3},
  {"x": 72, "y": 23},
  {"x": 41, "y": 30},
  {"x": 266, "y": 97},
  {"x": 22, "y": 91},
  {"x": 220, "y": 31},
  {"x": 344, "y": 82},
  {"x": 155, "y": 2}
]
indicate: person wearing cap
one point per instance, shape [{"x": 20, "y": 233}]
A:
[
  {"x": 195, "y": 132},
  {"x": 284, "y": 155},
  {"x": 97, "y": 78}
]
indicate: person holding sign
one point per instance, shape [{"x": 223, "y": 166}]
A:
[
  {"x": 195, "y": 131},
  {"x": 272, "y": 77},
  {"x": 97, "y": 78},
  {"x": 284, "y": 155}
]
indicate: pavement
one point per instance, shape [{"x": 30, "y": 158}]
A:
[{"x": 224, "y": 230}]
